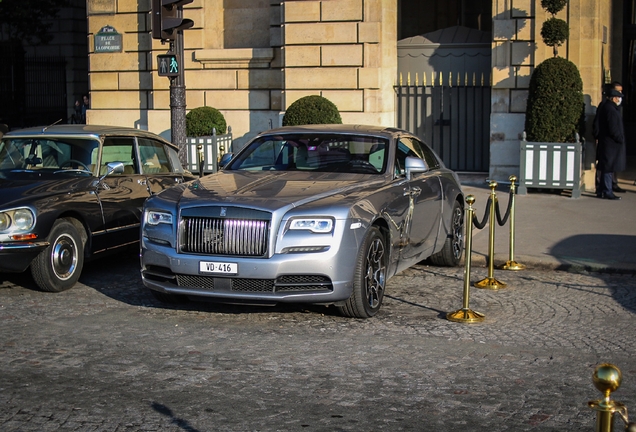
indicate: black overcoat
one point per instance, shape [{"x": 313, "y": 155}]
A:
[{"x": 611, "y": 152}]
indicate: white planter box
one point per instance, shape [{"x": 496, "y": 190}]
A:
[{"x": 550, "y": 166}]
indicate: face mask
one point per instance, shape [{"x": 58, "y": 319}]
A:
[{"x": 620, "y": 99}]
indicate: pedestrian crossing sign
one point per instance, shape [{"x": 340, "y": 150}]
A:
[{"x": 168, "y": 65}]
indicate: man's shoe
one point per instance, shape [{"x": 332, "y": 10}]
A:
[
  {"x": 611, "y": 197},
  {"x": 617, "y": 188}
]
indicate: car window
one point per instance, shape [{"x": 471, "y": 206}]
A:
[
  {"x": 118, "y": 149},
  {"x": 11, "y": 154},
  {"x": 354, "y": 154},
  {"x": 175, "y": 163},
  {"x": 404, "y": 149},
  {"x": 53, "y": 154},
  {"x": 429, "y": 156},
  {"x": 154, "y": 157}
]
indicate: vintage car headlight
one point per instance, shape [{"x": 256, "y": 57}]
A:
[
  {"x": 5, "y": 221},
  {"x": 316, "y": 225},
  {"x": 157, "y": 217},
  {"x": 21, "y": 219}
]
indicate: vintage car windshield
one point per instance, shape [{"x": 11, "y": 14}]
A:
[
  {"x": 47, "y": 154},
  {"x": 357, "y": 154}
]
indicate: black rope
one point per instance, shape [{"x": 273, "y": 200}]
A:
[
  {"x": 503, "y": 221},
  {"x": 482, "y": 224}
]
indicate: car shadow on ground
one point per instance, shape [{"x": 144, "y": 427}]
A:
[{"x": 118, "y": 277}]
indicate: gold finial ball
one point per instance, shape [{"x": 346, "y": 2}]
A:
[
  {"x": 607, "y": 378},
  {"x": 470, "y": 199},
  {"x": 492, "y": 184},
  {"x": 512, "y": 178}
]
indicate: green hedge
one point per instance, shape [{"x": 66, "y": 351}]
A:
[
  {"x": 556, "y": 108},
  {"x": 200, "y": 122},
  {"x": 312, "y": 110}
]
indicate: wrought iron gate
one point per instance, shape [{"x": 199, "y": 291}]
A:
[
  {"x": 32, "y": 89},
  {"x": 453, "y": 117}
]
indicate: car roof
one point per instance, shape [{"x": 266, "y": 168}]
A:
[
  {"x": 338, "y": 129},
  {"x": 83, "y": 130}
]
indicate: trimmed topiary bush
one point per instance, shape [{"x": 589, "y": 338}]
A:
[
  {"x": 555, "y": 110},
  {"x": 555, "y": 102},
  {"x": 554, "y": 32},
  {"x": 200, "y": 122},
  {"x": 312, "y": 110}
]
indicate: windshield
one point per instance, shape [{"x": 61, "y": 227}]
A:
[
  {"x": 356, "y": 154},
  {"x": 47, "y": 154}
]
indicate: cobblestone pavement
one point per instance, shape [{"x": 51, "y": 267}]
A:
[{"x": 106, "y": 356}]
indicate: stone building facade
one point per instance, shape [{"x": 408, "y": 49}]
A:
[{"x": 252, "y": 58}]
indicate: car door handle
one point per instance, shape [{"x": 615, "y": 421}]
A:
[
  {"x": 142, "y": 182},
  {"x": 413, "y": 192}
]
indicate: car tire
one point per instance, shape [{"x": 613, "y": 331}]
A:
[
  {"x": 451, "y": 253},
  {"x": 58, "y": 267},
  {"x": 168, "y": 298},
  {"x": 369, "y": 280}
]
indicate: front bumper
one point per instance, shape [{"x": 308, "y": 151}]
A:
[
  {"x": 328, "y": 275},
  {"x": 16, "y": 257}
]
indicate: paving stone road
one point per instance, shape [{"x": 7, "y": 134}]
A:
[{"x": 106, "y": 356}]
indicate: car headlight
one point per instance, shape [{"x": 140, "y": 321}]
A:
[
  {"x": 316, "y": 225},
  {"x": 5, "y": 221},
  {"x": 157, "y": 217},
  {"x": 21, "y": 219}
]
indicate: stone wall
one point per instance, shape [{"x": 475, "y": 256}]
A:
[{"x": 250, "y": 59}]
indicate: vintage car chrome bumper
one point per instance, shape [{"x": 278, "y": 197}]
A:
[{"x": 16, "y": 257}]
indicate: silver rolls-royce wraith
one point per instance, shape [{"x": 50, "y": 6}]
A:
[{"x": 322, "y": 214}]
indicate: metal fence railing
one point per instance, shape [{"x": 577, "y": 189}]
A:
[{"x": 451, "y": 114}]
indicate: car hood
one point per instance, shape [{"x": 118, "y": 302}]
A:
[
  {"x": 272, "y": 190},
  {"x": 15, "y": 191}
]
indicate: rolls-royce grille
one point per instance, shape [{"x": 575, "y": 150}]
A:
[{"x": 213, "y": 236}]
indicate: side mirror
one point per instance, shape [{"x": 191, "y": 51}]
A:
[
  {"x": 225, "y": 159},
  {"x": 414, "y": 165},
  {"x": 113, "y": 168}
]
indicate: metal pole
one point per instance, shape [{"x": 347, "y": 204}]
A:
[
  {"x": 607, "y": 379},
  {"x": 464, "y": 314},
  {"x": 178, "y": 98},
  {"x": 511, "y": 264},
  {"x": 490, "y": 282}
]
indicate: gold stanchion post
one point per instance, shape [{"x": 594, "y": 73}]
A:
[
  {"x": 607, "y": 379},
  {"x": 511, "y": 264},
  {"x": 490, "y": 282},
  {"x": 201, "y": 158},
  {"x": 464, "y": 314}
]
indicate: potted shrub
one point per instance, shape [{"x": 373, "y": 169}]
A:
[
  {"x": 203, "y": 120},
  {"x": 312, "y": 110},
  {"x": 555, "y": 113},
  {"x": 206, "y": 139}
]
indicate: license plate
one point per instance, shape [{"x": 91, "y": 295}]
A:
[{"x": 218, "y": 267}]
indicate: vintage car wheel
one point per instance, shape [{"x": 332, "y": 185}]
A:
[
  {"x": 451, "y": 253},
  {"x": 58, "y": 267},
  {"x": 369, "y": 279}
]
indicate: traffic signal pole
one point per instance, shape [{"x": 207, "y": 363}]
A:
[
  {"x": 178, "y": 100},
  {"x": 167, "y": 24}
]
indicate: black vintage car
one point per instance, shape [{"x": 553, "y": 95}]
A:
[{"x": 72, "y": 192}]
